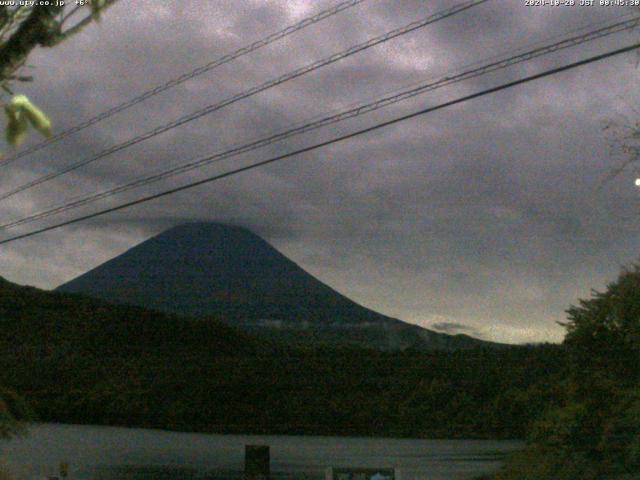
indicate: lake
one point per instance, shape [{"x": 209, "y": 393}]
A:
[{"x": 110, "y": 453}]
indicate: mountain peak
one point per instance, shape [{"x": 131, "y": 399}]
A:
[
  {"x": 210, "y": 228},
  {"x": 227, "y": 271},
  {"x": 202, "y": 268}
]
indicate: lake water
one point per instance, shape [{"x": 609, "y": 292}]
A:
[{"x": 110, "y": 453}]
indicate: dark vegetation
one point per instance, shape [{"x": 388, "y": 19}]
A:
[
  {"x": 578, "y": 404},
  {"x": 595, "y": 432},
  {"x": 85, "y": 361}
]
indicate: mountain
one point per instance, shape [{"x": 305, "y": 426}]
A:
[
  {"x": 75, "y": 359},
  {"x": 228, "y": 272},
  {"x": 34, "y": 320}
]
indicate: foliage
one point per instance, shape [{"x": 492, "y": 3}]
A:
[
  {"x": 547, "y": 463},
  {"x": 24, "y": 27},
  {"x": 84, "y": 361},
  {"x": 5, "y": 474},
  {"x": 595, "y": 432},
  {"x": 603, "y": 334},
  {"x": 14, "y": 412},
  {"x": 20, "y": 113}
]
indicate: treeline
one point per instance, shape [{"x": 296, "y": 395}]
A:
[
  {"x": 83, "y": 361},
  {"x": 330, "y": 392},
  {"x": 595, "y": 432},
  {"x": 577, "y": 404}
]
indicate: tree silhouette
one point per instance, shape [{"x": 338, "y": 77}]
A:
[{"x": 22, "y": 29}]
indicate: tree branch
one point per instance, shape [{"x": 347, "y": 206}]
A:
[
  {"x": 59, "y": 36},
  {"x": 38, "y": 29}
]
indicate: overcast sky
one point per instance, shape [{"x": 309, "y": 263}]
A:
[{"x": 484, "y": 218}]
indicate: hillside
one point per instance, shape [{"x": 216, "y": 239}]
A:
[
  {"x": 79, "y": 360},
  {"x": 209, "y": 269},
  {"x": 59, "y": 323}
]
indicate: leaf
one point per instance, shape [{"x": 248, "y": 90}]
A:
[
  {"x": 16, "y": 131},
  {"x": 96, "y": 7},
  {"x": 33, "y": 114}
]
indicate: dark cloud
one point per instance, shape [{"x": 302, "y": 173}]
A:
[
  {"x": 485, "y": 215},
  {"x": 452, "y": 328}
]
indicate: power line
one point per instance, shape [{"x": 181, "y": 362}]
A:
[
  {"x": 328, "y": 120},
  {"x": 316, "y": 146},
  {"x": 253, "y": 91},
  {"x": 187, "y": 76}
]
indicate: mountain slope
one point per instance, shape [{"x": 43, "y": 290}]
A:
[
  {"x": 41, "y": 321},
  {"x": 209, "y": 269},
  {"x": 79, "y": 360}
]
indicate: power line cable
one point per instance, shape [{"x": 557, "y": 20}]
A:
[
  {"x": 334, "y": 140},
  {"x": 253, "y": 91},
  {"x": 328, "y": 120},
  {"x": 460, "y": 68},
  {"x": 183, "y": 78}
]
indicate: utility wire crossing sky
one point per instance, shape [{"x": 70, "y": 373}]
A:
[
  {"x": 332, "y": 141},
  {"x": 359, "y": 110},
  {"x": 481, "y": 218}
]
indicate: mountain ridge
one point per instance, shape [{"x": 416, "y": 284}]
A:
[
  {"x": 79, "y": 360},
  {"x": 228, "y": 272}
]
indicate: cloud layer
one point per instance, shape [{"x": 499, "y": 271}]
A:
[{"x": 485, "y": 216}]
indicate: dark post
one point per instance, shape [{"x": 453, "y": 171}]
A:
[{"x": 256, "y": 462}]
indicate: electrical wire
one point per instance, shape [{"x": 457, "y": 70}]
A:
[
  {"x": 253, "y": 91},
  {"x": 183, "y": 78},
  {"x": 316, "y": 146},
  {"x": 335, "y": 118}
]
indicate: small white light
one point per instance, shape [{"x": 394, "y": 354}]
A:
[{"x": 637, "y": 182}]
